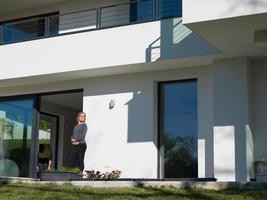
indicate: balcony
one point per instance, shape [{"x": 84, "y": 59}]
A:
[
  {"x": 70, "y": 47},
  {"x": 55, "y": 24},
  {"x": 210, "y": 10},
  {"x": 233, "y": 27}
]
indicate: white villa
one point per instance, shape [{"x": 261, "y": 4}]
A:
[{"x": 172, "y": 89}]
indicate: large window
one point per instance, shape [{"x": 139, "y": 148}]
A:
[
  {"x": 16, "y": 117},
  {"x": 36, "y": 27},
  {"x": 178, "y": 129},
  {"x": 169, "y": 8},
  {"x": 144, "y": 10},
  {"x": 141, "y": 10}
]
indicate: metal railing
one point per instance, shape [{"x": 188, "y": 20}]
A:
[
  {"x": 83, "y": 20},
  {"x": 121, "y": 14}
]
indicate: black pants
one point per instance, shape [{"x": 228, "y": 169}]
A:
[
  {"x": 78, "y": 155},
  {"x": 43, "y": 164}
]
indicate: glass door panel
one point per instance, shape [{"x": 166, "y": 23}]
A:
[
  {"x": 16, "y": 118},
  {"x": 178, "y": 108},
  {"x": 48, "y": 131}
]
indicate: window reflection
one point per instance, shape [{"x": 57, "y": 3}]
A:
[
  {"x": 15, "y": 137},
  {"x": 169, "y": 8},
  {"x": 24, "y": 30},
  {"x": 141, "y": 11},
  {"x": 53, "y": 25},
  {"x": 179, "y": 129},
  {"x": 30, "y": 29}
]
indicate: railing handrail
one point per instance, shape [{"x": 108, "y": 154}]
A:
[{"x": 101, "y": 7}]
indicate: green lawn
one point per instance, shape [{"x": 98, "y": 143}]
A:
[{"x": 68, "y": 192}]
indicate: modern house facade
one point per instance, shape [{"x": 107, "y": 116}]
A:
[{"x": 171, "y": 88}]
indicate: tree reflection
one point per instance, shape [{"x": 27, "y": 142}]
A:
[
  {"x": 180, "y": 156},
  {"x": 7, "y": 127}
]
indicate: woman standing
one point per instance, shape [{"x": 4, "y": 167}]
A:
[
  {"x": 44, "y": 157},
  {"x": 78, "y": 141}
]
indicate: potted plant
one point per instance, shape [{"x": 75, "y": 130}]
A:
[{"x": 65, "y": 174}]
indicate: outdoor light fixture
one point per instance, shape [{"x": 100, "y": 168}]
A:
[{"x": 111, "y": 104}]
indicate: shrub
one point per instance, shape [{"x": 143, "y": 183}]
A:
[{"x": 106, "y": 175}]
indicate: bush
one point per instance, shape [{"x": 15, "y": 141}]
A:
[{"x": 106, "y": 175}]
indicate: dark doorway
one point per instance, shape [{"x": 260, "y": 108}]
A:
[{"x": 57, "y": 118}]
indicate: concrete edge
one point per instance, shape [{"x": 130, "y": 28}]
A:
[{"x": 129, "y": 184}]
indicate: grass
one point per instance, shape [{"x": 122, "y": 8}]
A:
[{"x": 69, "y": 192}]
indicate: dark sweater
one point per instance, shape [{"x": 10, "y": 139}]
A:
[{"x": 79, "y": 132}]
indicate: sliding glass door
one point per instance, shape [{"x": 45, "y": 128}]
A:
[
  {"x": 16, "y": 126},
  {"x": 48, "y": 134},
  {"x": 178, "y": 129}
]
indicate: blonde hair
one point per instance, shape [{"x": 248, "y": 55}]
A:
[{"x": 78, "y": 115}]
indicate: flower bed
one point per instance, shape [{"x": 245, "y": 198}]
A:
[{"x": 91, "y": 174}]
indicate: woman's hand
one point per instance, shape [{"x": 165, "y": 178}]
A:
[
  {"x": 74, "y": 141},
  {"x": 49, "y": 164}
]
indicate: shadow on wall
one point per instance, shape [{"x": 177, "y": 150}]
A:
[
  {"x": 177, "y": 41},
  {"x": 139, "y": 107},
  {"x": 140, "y": 124}
]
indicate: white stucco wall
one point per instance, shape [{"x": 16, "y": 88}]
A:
[
  {"x": 231, "y": 119},
  {"x": 259, "y": 76},
  {"x": 125, "y": 137},
  {"x": 250, "y": 137},
  {"x": 103, "y": 48},
  {"x": 205, "y": 10}
]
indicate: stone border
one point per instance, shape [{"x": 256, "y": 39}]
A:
[{"x": 141, "y": 183}]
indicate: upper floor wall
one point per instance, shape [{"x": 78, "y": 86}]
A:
[
  {"x": 206, "y": 10},
  {"x": 81, "y": 50},
  {"x": 112, "y": 50}
]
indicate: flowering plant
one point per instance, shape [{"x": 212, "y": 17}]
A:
[{"x": 106, "y": 175}]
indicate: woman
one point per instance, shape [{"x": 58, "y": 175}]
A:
[
  {"x": 78, "y": 141},
  {"x": 44, "y": 157}
]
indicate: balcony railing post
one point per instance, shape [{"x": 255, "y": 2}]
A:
[
  {"x": 1, "y": 34},
  {"x": 98, "y": 18}
]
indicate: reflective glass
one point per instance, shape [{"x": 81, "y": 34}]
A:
[
  {"x": 15, "y": 137},
  {"x": 1, "y": 34},
  {"x": 24, "y": 30},
  {"x": 141, "y": 11},
  {"x": 169, "y": 8},
  {"x": 48, "y": 126},
  {"x": 179, "y": 129},
  {"x": 53, "y": 25}
]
